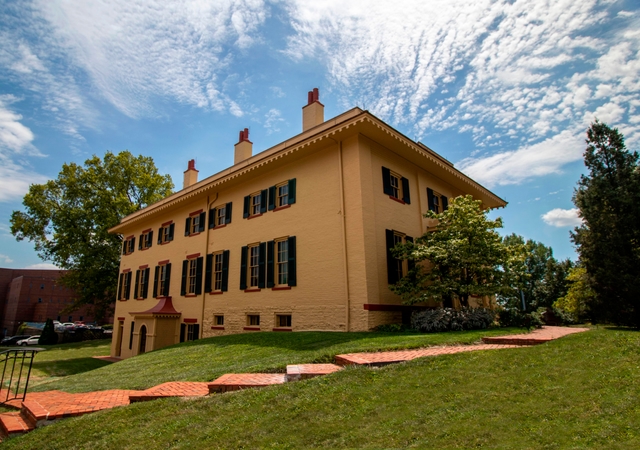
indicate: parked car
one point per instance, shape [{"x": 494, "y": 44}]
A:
[
  {"x": 13, "y": 340},
  {"x": 33, "y": 340}
]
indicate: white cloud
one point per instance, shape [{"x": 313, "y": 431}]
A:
[
  {"x": 134, "y": 51},
  {"x": 512, "y": 69},
  {"x": 43, "y": 266},
  {"x": 517, "y": 166},
  {"x": 4, "y": 259},
  {"x": 273, "y": 120},
  {"x": 562, "y": 218}
]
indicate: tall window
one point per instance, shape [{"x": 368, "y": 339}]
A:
[
  {"x": 396, "y": 268},
  {"x": 217, "y": 271},
  {"x": 437, "y": 202},
  {"x": 165, "y": 234},
  {"x": 128, "y": 245},
  {"x": 191, "y": 277},
  {"x": 255, "y": 204},
  {"x": 254, "y": 266},
  {"x": 221, "y": 215},
  {"x": 146, "y": 239},
  {"x": 394, "y": 182},
  {"x": 124, "y": 286},
  {"x": 400, "y": 264},
  {"x": 395, "y": 186},
  {"x": 283, "y": 195},
  {"x": 142, "y": 283},
  {"x": 161, "y": 282},
  {"x": 195, "y": 225},
  {"x": 282, "y": 262}
]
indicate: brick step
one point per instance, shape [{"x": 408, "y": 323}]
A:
[
  {"x": 13, "y": 423},
  {"x": 172, "y": 389},
  {"x": 236, "y": 381},
  {"x": 305, "y": 371}
]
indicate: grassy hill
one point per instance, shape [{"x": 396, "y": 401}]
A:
[{"x": 581, "y": 391}]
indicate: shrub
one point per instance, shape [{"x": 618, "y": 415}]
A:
[
  {"x": 48, "y": 335},
  {"x": 513, "y": 317},
  {"x": 449, "y": 319},
  {"x": 392, "y": 328}
]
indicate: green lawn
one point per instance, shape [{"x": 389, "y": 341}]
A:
[
  {"x": 207, "y": 359},
  {"x": 581, "y": 391},
  {"x": 66, "y": 359}
]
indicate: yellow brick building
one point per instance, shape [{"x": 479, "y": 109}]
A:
[{"x": 293, "y": 238}]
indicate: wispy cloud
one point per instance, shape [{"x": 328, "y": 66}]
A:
[
  {"x": 513, "y": 74},
  {"x": 562, "y": 218},
  {"x": 43, "y": 266},
  {"x": 15, "y": 142},
  {"x": 272, "y": 121},
  {"x": 4, "y": 259}
]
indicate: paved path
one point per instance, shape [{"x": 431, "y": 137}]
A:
[{"x": 42, "y": 407}]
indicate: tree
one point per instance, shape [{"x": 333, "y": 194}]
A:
[
  {"x": 579, "y": 295},
  {"x": 48, "y": 335},
  {"x": 608, "y": 241},
  {"x": 545, "y": 280},
  {"x": 464, "y": 256},
  {"x": 68, "y": 220}
]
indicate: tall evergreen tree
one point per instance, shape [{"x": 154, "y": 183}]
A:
[{"x": 609, "y": 239}]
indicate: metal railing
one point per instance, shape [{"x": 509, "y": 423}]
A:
[{"x": 14, "y": 382}]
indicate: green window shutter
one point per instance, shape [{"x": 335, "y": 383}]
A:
[
  {"x": 386, "y": 181},
  {"x": 243, "y": 268},
  {"x": 430, "y": 198},
  {"x": 135, "y": 288},
  {"x": 124, "y": 247},
  {"x": 445, "y": 203},
  {"x": 270, "y": 264},
  {"x": 203, "y": 218},
  {"x": 225, "y": 271},
  {"x": 293, "y": 277},
  {"x": 263, "y": 200},
  {"x": 227, "y": 217},
  {"x": 150, "y": 238},
  {"x": 140, "y": 242},
  {"x": 128, "y": 293},
  {"x": 160, "y": 236},
  {"x": 392, "y": 276},
  {"x": 207, "y": 273},
  {"x": 196, "y": 331},
  {"x": 212, "y": 217},
  {"x": 132, "y": 245},
  {"x": 155, "y": 282},
  {"x": 183, "y": 285},
  {"x": 118, "y": 295},
  {"x": 145, "y": 286},
  {"x": 199, "y": 263},
  {"x": 292, "y": 191},
  {"x": 272, "y": 198},
  {"x": 262, "y": 253},
  {"x": 171, "y": 228},
  {"x": 183, "y": 331},
  {"x": 167, "y": 280},
  {"x": 405, "y": 191},
  {"x": 133, "y": 324},
  {"x": 247, "y": 201},
  {"x": 187, "y": 226}
]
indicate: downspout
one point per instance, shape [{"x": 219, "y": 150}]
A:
[
  {"x": 206, "y": 250},
  {"x": 344, "y": 239}
]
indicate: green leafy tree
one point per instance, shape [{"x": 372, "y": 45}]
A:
[
  {"x": 545, "y": 276},
  {"x": 48, "y": 335},
  {"x": 608, "y": 241},
  {"x": 579, "y": 295},
  {"x": 68, "y": 220},
  {"x": 464, "y": 256}
]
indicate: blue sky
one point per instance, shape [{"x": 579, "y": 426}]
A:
[{"x": 504, "y": 89}]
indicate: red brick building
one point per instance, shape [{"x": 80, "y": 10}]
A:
[{"x": 34, "y": 296}]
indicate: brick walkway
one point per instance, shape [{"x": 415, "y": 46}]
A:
[{"x": 40, "y": 408}]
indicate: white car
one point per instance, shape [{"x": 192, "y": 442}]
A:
[{"x": 33, "y": 340}]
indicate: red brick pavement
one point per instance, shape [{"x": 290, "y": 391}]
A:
[
  {"x": 172, "y": 389},
  {"x": 237, "y": 381},
  {"x": 539, "y": 336},
  {"x": 305, "y": 371}
]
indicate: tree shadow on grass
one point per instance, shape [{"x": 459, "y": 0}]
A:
[
  {"x": 65, "y": 367},
  {"x": 620, "y": 328}
]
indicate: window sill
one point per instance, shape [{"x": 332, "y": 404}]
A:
[
  {"x": 143, "y": 249},
  {"x": 139, "y": 298},
  {"x": 280, "y": 208},
  {"x": 397, "y": 199},
  {"x": 190, "y": 295},
  {"x": 281, "y": 288},
  {"x": 253, "y": 290},
  {"x": 163, "y": 243},
  {"x": 120, "y": 300},
  {"x": 193, "y": 234},
  {"x": 251, "y": 328},
  {"x": 217, "y": 328},
  {"x": 217, "y": 227},
  {"x": 216, "y": 293},
  {"x": 254, "y": 216},
  {"x": 282, "y": 329}
]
